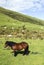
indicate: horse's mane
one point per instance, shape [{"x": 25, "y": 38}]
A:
[{"x": 10, "y": 43}]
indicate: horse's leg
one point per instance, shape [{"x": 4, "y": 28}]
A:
[
  {"x": 15, "y": 53},
  {"x": 26, "y": 51}
]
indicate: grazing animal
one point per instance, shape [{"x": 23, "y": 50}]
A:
[{"x": 18, "y": 46}]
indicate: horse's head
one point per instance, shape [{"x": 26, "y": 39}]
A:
[{"x": 6, "y": 44}]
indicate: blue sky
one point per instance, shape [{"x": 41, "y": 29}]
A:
[{"x": 33, "y": 8}]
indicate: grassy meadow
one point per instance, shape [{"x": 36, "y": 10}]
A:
[
  {"x": 35, "y": 57},
  {"x": 12, "y": 23}
]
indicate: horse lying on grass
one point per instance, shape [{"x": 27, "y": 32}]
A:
[{"x": 18, "y": 47}]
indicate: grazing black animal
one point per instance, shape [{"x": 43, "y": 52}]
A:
[{"x": 18, "y": 46}]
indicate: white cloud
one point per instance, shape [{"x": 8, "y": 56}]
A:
[
  {"x": 20, "y": 5},
  {"x": 2, "y": 1}
]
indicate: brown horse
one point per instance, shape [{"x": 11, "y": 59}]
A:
[{"x": 18, "y": 46}]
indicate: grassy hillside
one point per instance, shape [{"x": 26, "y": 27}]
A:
[
  {"x": 15, "y": 19},
  {"x": 21, "y": 17},
  {"x": 12, "y": 23}
]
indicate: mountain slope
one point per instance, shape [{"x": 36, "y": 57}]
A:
[
  {"x": 11, "y": 25},
  {"x": 21, "y": 17}
]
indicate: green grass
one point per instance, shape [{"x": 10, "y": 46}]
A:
[{"x": 36, "y": 56}]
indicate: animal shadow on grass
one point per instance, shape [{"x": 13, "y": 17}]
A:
[
  {"x": 21, "y": 52},
  {"x": 35, "y": 53}
]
